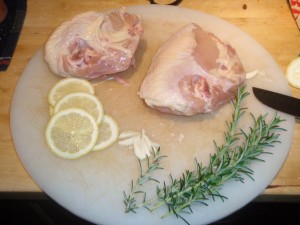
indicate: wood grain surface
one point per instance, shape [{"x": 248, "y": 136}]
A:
[{"x": 270, "y": 22}]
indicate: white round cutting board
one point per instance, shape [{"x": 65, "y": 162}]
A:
[{"x": 92, "y": 186}]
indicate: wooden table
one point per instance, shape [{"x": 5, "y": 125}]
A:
[{"x": 270, "y": 22}]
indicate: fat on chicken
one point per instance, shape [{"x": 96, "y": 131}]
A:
[
  {"x": 193, "y": 72},
  {"x": 94, "y": 45}
]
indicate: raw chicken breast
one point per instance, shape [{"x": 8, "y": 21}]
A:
[
  {"x": 94, "y": 44},
  {"x": 193, "y": 72}
]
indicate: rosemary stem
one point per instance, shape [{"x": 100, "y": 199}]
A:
[{"x": 230, "y": 161}]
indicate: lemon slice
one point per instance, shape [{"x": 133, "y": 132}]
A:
[
  {"x": 71, "y": 133},
  {"x": 108, "y": 133},
  {"x": 293, "y": 73},
  {"x": 88, "y": 102},
  {"x": 67, "y": 86}
]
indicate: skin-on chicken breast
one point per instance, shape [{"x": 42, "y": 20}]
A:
[
  {"x": 193, "y": 72},
  {"x": 93, "y": 44}
]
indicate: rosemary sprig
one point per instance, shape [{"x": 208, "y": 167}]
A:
[
  {"x": 230, "y": 161},
  {"x": 130, "y": 200}
]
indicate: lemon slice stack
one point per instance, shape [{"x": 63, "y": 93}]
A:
[{"x": 78, "y": 124}]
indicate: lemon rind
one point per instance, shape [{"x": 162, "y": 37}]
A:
[
  {"x": 96, "y": 100},
  {"x": 115, "y": 134},
  {"x": 62, "y": 82}
]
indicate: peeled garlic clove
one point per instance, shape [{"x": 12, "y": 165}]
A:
[
  {"x": 146, "y": 148},
  {"x": 252, "y": 74},
  {"x": 141, "y": 144},
  {"x": 127, "y": 142},
  {"x": 128, "y": 134},
  {"x": 148, "y": 145},
  {"x": 138, "y": 147}
]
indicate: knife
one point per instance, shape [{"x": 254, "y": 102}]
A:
[{"x": 280, "y": 102}]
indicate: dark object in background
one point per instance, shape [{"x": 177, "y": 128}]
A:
[
  {"x": 10, "y": 29},
  {"x": 176, "y": 2},
  {"x": 38, "y": 208},
  {"x": 3, "y": 10}
]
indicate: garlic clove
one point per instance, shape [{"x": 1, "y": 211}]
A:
[
  {"x": 138, "y": 147},
  {"x": 252, "y": 74},
  {"x": 128, "y": 134},
  {"x": 127, "y": 142},
  {"x": 148, "y": 145},
  {"x": 139, "y": 142}
]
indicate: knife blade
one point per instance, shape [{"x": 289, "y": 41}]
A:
[{"x": 280, "y": 102}]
